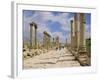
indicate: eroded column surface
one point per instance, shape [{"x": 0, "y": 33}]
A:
[
  {"x": 72, "y": 35},
  {"x": 57, "y": 42},
  {"x": 77, "y": 31},
  {"x": 82, "y": 33},
  {"x": 46, "y": 41},
  {"x": 31, "y": 35},
  {"x": 35, "y": 27}
]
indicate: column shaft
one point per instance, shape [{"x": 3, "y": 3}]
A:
[
  {"x": 76, "y": 31},
  {"x": 82, "y": 32},
  {"x": 46, "y": 40},
  {"x": 72, "y": 34},
  {"x": 31, "y": 37},
  {"x": 35, "y": 38}
]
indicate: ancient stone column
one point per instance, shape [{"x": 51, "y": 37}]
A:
[
  {"x": 53, "y": 42},
  {"x": 31, "y": 36},
  {"x": 47, "y": 43},
  {"x": 72, "y": 34},
  {"x": 35, "y": 27},
  {"x": 82, "y": 46},
  {"x": 66, "y": 43},
  {"x": 57, "y": 42},
  {"x": 44, "y": 40},
  {"x": 76, "y": 31}
]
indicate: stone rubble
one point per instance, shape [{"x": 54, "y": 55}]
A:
[{"x": 51, "y": 59}]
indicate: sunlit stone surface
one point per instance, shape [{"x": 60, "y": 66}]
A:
[{"x": 52, "y": 59}]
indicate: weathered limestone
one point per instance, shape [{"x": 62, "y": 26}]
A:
[
  {"x": 80, "y": 41},
  {"x": 76, "y": 31},
  {"x": 72, "y": 35},
  {"x": 31, "y": 35},
  {"x": 82, "y": 47},
  {"x": 66, "y": 43},
  {"x": 52, "y": 59},
  {"x": 57, "y": 42},
  {"x": 35, "y": 26},
  {"x": 53, "y": 43},
  {"x": 46, "y": 40}
]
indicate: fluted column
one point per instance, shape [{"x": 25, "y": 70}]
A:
[
  {"x": 82, "y": 33},
  {"x": 72, "y": 34},
  {"x": 35, "y": 27},
  {"x": 31, "y": 35},
  {"x": 76, "y": 31},
  {"x": 47, "y": 43},
  {"x": 66, "y": 42},
  {"x": 57, "y": 42}
]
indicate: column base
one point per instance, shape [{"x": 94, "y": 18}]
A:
[
  {"x": 82, "y": 49},
  {"x": 75, "y": 49},
  {"x": 84, "y": 60},
  {"x": 83, "y": 57}
]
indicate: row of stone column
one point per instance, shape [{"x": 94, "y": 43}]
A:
[
  {"x": 50, "y": 44},
  {"x": 46, "y": 38},
  {"x": 78, "y": 41},
  {"x": 31, "y": 35}
]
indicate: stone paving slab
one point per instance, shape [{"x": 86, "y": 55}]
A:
[
  {"x": 67, "y": 58},
  {"x": 52, "y": 59}
]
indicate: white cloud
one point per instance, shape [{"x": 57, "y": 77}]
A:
[
  {"x": 63, "y": 19},
  {"x": 41, "y": 19}
]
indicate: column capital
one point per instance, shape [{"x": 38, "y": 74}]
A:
[
  {"x": 47, "y": 33},
  {"x": 33, "y": 24},
  {"x": 71, "y": 21}
]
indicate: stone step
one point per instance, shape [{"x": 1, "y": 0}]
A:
[
  {"x": 67, "y": 64},
  {"x": 52, "y": 59},
  {"x": 67, "y": 58}
]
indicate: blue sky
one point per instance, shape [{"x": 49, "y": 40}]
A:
[{"x": 55, "y": 23}]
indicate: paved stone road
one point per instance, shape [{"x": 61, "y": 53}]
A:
[{"x": 52, "y": 59}]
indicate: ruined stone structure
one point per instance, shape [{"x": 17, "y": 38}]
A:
[
  {"x": 72, "y": 35},
  {"x": 31, "y": 35},
  {"x": 76, "y": 31},
  {"x": 53, "y": 43},
  {"x": 46, "y": 40},
  {"x": 57, "y": 42},
  {"x": 66, "y": 43},
  {"x": 82, "y": 46},
  {"x": 78, "y": 41}
]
